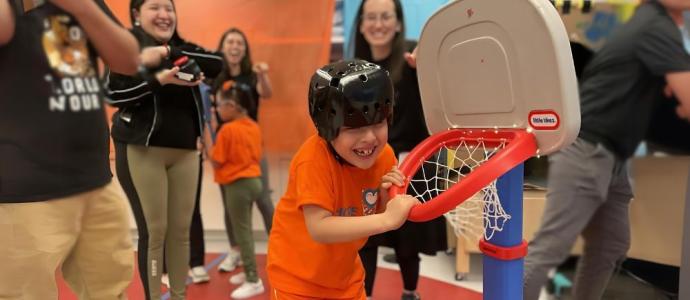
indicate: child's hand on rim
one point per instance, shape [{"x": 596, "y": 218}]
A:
[
  {"x": 393, "y": 177},
  {"x": 398, "y": 209}
]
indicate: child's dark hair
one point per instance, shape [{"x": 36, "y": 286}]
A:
[{"x": 232, "y": 90}]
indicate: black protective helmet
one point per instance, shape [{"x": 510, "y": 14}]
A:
[{"x": 352, "y": 93}]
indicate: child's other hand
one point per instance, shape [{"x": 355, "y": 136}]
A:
[
  {"x": 398, "y": 209},
  {"x": 393, "y": 177}
]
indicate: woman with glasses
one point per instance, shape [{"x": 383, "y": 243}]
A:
[{"x": 379, "y": 37}]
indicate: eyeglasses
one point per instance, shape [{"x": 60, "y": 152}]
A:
[{"x": 386, "y": 17}]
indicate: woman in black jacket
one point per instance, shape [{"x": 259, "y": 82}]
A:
[{"x": 156, "y": 131}]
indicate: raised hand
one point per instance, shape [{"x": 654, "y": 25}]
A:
[
  {"x": 411, "y": 58},
  {"x": 260, "y": 68}
]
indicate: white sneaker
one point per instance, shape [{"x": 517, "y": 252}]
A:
[
  {"x": 199, "y": 274},
  {"x": 238, "y": 278},
  {"x": 231, "y": 261},
  {"x": 248, "y": 289},
  {"x": 165, "y": 280}
]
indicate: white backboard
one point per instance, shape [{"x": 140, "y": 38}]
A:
[{"x": 499, "y": 64}]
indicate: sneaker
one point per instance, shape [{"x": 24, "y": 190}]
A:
[
  {"x": 410, "y": 296},
  {"x": 248, "y": 289},
  {"x": 231, "y": 261},
  {"x": 199, "y": 274},
  {"x": 238, "y": 278},
  {"x": 165, "y": 280}
]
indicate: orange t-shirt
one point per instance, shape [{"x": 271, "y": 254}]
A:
[
  {"x": 237, "y": 150},
  {"x": 296, "y": 263}
]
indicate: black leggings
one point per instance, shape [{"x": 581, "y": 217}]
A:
[{"x": 408, "y": 259}]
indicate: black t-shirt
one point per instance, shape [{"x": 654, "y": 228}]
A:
[
  {"x": 409, "y": 127},
  {"x": 625, "y": 77},
  {"x": 53, "y": 131}
]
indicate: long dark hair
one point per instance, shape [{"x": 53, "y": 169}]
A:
[
  {"x": 363, "y": 50},
  {"x": 245, "y": 63},
  {"x": 144, "y": 38}
]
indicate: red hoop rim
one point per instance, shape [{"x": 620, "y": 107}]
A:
[{"x": 520, "y": 145}]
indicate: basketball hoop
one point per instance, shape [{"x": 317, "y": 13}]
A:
[{"x": 459, "y": 164}]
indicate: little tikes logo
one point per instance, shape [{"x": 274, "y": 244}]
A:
[{"x": 544, "y": 120}]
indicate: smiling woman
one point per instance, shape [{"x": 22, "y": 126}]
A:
[
  {"x": 379, "y": 36},
  {"x": 155, "y": 129}
]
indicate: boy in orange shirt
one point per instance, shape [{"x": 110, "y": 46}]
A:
[
  {"x": 337, "y": 186},
  {"x": 235, "y": 159}
]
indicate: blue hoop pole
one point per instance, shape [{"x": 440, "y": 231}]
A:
[{"x": 503, "y": 279}]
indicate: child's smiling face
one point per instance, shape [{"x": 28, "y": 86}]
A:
[{"x": 361, "y": 146}]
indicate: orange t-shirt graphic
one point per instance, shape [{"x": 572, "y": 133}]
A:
[
  {"x": 296, "y": 263},
  {"x": 237, "y": 150}
]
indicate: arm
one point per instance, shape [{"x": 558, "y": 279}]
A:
[
  {"x": 208, "y": 147},
  {"x": 123, "y": 90},
  {"x": 326, "y": 228},
  {"x": 115, "y": 45},
  {"x": 679, "y": 84},
  {"x": 263, "y": 82},
  {"x": 217, "y": 152},
  {"x": 211, "y": 63},
  {"x": 6, "y": 22}
]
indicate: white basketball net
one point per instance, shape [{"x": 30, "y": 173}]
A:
[{"x": 481, "y": 214}]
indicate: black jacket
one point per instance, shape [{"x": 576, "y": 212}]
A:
[{"x": 139, "y": 101}]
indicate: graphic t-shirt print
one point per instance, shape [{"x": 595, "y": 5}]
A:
[
  {"x": 73, "y": 78},
  {"x": 369, "y": 200}
]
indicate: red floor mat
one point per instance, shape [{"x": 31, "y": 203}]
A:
[{"x": 388, "y": 286}]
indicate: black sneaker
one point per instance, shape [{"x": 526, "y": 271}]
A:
[{"x": 412, "y": 296}]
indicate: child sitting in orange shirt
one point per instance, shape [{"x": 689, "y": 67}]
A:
[
  {"x": 337, "y": 187},
  {"x": 235, "y": 159}
]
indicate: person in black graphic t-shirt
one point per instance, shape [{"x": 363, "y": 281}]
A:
[
  {"x": 589, "y": 191},
  {"x": 58, "y": 206}
]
